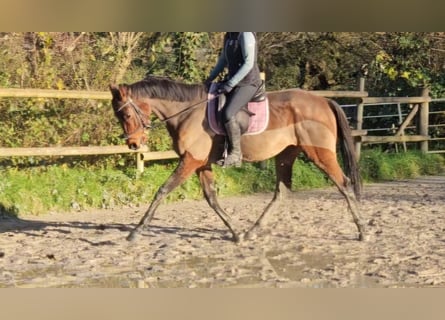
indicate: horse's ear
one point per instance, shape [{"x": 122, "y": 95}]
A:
[
  {"x": 115, "y": 92},
  {"x": 119, "y": 92}
]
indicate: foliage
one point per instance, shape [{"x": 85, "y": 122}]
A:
[
  {"x": 406, "y": 62},
  {"x": 186, "y": 56},
  {"x": 394, "y": 63},
  {"x": 377, "y": 165},
  {"x": 187, "y": 45}
]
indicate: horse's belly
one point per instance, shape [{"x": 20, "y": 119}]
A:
[
  {"x": 271, "y": 142},
  {"x": 267, "y": 144}
]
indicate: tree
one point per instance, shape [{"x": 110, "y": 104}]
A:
[
  {"x": 407, "y": 62},
  {"x": 126, "y": 44}
]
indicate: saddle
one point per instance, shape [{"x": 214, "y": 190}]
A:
[{"x": 257, "y": 109}]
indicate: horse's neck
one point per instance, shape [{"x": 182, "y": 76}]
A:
[
  {"x": 171, "y": 110},
  {"x": 164, "y": 109}
]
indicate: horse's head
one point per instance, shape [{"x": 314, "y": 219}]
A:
[{"x": 133, "y": 115}]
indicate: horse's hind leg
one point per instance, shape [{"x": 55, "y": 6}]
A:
[
  {"x": 283, "y": 168},
  {"x": 207, "y": 183},
  {"x": 327, "y": 162}
]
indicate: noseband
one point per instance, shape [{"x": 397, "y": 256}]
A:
[{"x": 139, "y": 115}]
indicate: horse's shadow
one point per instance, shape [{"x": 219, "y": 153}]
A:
[
  {"x": 13, "y": 225},
  {"x": 188, "y": 233},
  {"x": 10, "y": 225}
]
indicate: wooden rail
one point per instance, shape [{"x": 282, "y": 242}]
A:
[
  {"x": 55, "y": 94},
  {"x": 105, "y": 95},
  {"x": 340, "y": 94},
  {"x": 393, "y": 139},
  {"x": 396, "y": 99},
  {"x": 142, "y": 154},
  {"x": 64, "y": 151}
]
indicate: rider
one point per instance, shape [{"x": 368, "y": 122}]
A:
[{"x": 239, "y": 55}]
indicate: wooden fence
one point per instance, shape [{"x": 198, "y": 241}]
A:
[
  {"x": 360, "y": 135},
  {"x": 419, "y": 106},
  {"x": 143, "y": 154}
]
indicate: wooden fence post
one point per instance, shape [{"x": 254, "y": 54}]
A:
[
  {"x": 359, "y": 126},
  {"x": 263, "y": 164},
  {"x": 424, "y": 119},
  {"x": 139, "y": 162}
]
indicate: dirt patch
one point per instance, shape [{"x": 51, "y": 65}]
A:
[{"x": 310, "y": 241}]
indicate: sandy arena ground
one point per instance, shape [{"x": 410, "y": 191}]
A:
[{"x": 309, "y": 241}]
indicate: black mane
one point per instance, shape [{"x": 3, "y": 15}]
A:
[{"x": 166, "y": 89}]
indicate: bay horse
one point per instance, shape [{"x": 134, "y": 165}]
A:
[{"x": 298, "y": 122}]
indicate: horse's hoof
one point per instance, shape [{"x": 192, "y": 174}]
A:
[
  {"x": 361, "y": 232},
  {"x": 132, "y": 236},
  {"x": 241, "y": 237},
  {"x": 250, "y": 235},
  {"x": 364, "y": 237},
  {"x": 238, "y": 238},
  {"x": 368, "y": 237}
]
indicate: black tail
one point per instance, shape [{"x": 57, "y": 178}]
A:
[{"x": 347, "y": 148}]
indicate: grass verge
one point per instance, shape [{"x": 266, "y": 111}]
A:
[{"x": 44, "y": 189}]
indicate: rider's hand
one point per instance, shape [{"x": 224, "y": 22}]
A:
[
  {"x": 224, "y": 88},
  {"x": 207, "y": 83}
]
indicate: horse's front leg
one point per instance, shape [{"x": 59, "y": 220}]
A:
[{"x": 186, "y": 167}]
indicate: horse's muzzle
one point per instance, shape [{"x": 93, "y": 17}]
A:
[
  {"x": 135, "y": 143},
  {"x": 133, "y": 146}
]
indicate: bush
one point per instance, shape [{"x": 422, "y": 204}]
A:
[{"x": 377, "y": 165}]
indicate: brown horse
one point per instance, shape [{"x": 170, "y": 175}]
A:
[{"x": 299, "y": 122}]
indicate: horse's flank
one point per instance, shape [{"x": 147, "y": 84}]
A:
[{"x": 296, "y": 118}]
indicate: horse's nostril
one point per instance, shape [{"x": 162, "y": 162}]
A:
[{"x": 133, "y": 146}]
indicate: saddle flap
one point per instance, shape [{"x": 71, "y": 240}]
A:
[{"x": 258, "y": 111}]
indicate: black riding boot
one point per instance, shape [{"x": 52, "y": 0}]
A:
[{"x": 233, "y": 130}]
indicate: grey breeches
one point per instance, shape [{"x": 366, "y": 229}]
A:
[{"x": 236, "y": 99}]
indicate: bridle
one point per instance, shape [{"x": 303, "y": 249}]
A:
[{"x": 139, "y": 115}]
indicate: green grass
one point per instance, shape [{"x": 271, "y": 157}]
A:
[
  {"x": 379, "y": 166},
  {"x": 44, "y": 189}
]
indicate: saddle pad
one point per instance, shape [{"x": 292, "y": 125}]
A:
[{"x": 257, "y": 123}]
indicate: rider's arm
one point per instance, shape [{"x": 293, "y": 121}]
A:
[
  {"x": 218, "y": 68},
  {"x": 247, "y": 43}
]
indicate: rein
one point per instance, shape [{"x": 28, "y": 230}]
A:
[{"x": 188, "y": 109}]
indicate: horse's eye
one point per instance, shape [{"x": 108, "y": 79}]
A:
[{"x": 127, "y": 116}]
